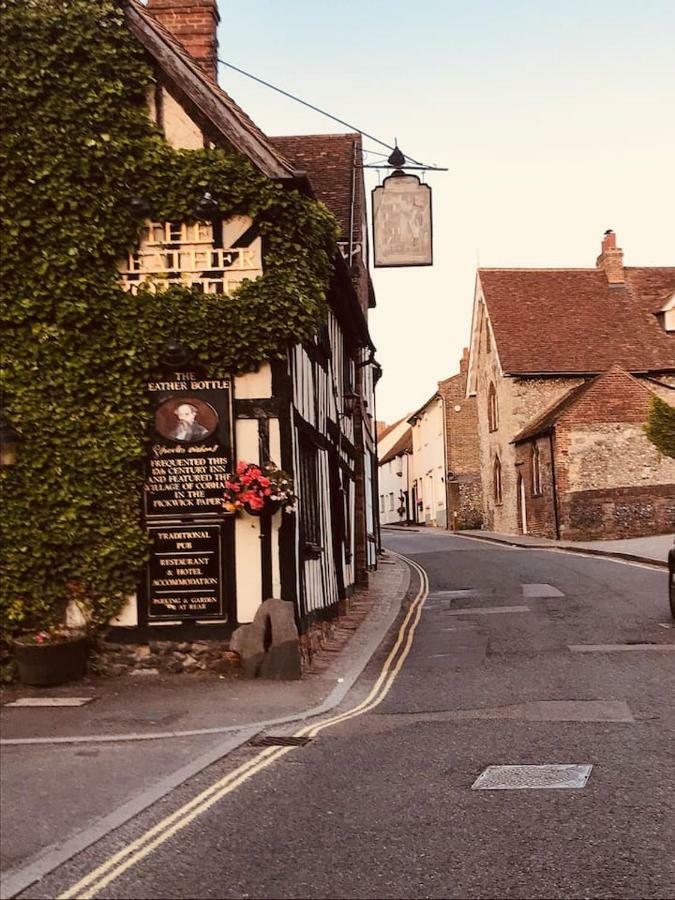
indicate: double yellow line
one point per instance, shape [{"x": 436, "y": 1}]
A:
[{"x": 133, "y": 853}]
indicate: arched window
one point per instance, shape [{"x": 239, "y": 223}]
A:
[
  {"x": 492, "y": 408},
  {"x": 536, "y": 469},
  {"x": 497, "y": 480}
]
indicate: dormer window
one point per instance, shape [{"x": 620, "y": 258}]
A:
[
  {"x": 493, "y": 421},
  {"x": 666, "y": 315}
]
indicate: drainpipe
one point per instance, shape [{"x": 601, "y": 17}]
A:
[
  {"x": 352, "y": 206},
  {"x": 554, "y": 486}
]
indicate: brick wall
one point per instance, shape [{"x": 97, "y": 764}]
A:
[
  {"x": 612, "y": 481},
  {"x": 540, "y": 512},
  {"x": 194, "y": 23},
  {"x": 465, "y": 504}
]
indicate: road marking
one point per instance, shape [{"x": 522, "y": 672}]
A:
[
  {"x": 488, "y": 610},
  {"x": 616, "y": 648},
  {"x": 137, "y": 850},
  {"x": 50, "y": 701},
  {"x": 540, "y": 590},
  {"x": 546, "y": 777}
]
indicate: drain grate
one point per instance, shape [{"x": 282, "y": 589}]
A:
[
  {"x": 510, "y": 778},
  {"x": 278, "y": 740}
]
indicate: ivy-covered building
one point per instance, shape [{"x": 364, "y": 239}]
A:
[{"x": 179, "y": 303}]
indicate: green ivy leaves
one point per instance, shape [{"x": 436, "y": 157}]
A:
[{"x": 76, "y": 145}]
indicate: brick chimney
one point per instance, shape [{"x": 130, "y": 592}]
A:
[
  {"x": 464, "y": 361},
  {"x": 195, "y": 24},
  {"x": 611, "y": 259}
]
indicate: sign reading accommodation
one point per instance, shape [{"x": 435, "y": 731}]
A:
[
  {"x": 402, "y": 233},
  {"x": 184, "y": 573}
]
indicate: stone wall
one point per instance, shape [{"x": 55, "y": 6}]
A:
[{"x": 618, "y": 512}]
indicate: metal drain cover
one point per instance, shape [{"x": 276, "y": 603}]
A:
[
  {"x": 278, "y": 740},
  {"x": 514, "y": 778}
]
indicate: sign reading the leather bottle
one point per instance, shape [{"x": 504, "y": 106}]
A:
[{"x": 191, "y": 448}]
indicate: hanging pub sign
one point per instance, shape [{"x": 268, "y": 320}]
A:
[{"x": 402, "y": 232}]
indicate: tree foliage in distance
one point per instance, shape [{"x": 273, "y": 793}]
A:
[
  {"x": 660, "y": 427},
  {"x": 77, "y": 350}
]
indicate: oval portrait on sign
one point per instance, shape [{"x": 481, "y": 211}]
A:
[{"x": 187, "y": 420}]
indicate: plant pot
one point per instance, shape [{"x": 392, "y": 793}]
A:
[
  {"x": 52, "y": 664},
  {"x": 270, "y": 508}
]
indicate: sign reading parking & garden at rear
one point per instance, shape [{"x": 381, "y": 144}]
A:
[{"x": 184, "y": 574}]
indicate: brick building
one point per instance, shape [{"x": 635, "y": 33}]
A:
[
  {"x": 462, "y": 449},
  {"x": 563, "y": 363}
]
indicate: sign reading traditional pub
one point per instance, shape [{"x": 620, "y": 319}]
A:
[
  {"x": 190, "y": 453},
  {"x": 402, "y": 232},
  {"x": 184, "y": 574}
]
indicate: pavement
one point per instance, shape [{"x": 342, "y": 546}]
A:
[
  {"x": 70, "y": 775},
  {"x": 644, "y": 549},
  {"x": 385, "y": 802}
]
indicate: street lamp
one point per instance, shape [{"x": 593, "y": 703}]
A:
[
  {"x": 350, "y": 400},
  {"x": 206, "y": 207}
]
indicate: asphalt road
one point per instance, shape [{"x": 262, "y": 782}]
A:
[{"x": 382, "y": 804}]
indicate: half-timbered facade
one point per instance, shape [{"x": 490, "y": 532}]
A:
[{"x": 312, "y": 413}]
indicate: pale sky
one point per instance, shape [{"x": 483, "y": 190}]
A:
[{"x": 556, "y": 121}]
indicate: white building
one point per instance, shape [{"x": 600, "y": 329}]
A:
[
  {"x": 428, "y": 488},
  {"x": 394, "y": 484}
]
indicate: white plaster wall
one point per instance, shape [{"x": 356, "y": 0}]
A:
[
  {"x": 247, "y": 532},
  {"x": 179, "y": 129},
  {"x": 128, "y": 615},
  {"x": 390, "y": 482},
  {"x": 254, "y": 384},
  {"x": 428, "y": 464}
]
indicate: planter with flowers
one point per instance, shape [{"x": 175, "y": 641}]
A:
[
  {"x": 52, "y": 656},
  {"x": 258, "y": 489}
]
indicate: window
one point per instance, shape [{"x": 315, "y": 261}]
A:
[
  {"x": 310, "y": 514},
  {"x": 381, "y": 502},
  {"x": 536, "y": 470},
  {"x": 493, "y": 420},
  {"x": 497, "y": 481},
  {"x": 391, "y": 501}
]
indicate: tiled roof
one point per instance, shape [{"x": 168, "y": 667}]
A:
[
  {"x": 416, "y": 414},
  {"x": 402, "y": 445},
  {"x": 571, "y": 320},
  {"x": 328, "y": 159},
  {"x": 212, "y": 100},
  {"x": 383, "y": 434}
]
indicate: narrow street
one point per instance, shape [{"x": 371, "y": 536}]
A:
[{"x": 520, "y": 657}]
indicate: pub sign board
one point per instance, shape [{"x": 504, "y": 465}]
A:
[
  {"x": 192, "y": 446},
  {"x": 402, "y": 226},
  {"x": 185, "y": 572}
]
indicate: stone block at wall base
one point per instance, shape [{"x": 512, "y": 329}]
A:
[{"x": 269, "y": 646}]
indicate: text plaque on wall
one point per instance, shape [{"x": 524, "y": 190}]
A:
[
  {"x": 190, "y": 573},
  {"x": 184, "y": 574},
  {"x": 192, "y": 447}
]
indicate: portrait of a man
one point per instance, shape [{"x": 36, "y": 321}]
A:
[
  {"x": 187, "y": 428},
  {"x": 186, "y": 421}
]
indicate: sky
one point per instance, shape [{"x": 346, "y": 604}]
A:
[{"x": 556, "y": 121}]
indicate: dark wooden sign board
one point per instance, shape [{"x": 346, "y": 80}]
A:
[{"x": 190, "y": 573}]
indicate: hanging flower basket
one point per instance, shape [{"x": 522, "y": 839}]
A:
[
  {"x": 257, "y": 490},
  {"x": 51, "y": 657}
]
